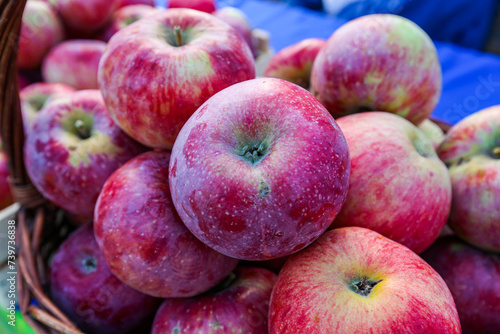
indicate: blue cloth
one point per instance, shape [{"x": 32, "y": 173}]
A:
[{"x": 463, "y": 22}]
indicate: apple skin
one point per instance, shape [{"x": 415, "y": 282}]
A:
[
  {"x": 473, "y": 277},
  {"x": 143, "y": 239},
  {"x": 315, "y": 290},
  {"x": 85, "y": 16},
  {"x": 123, "y": 3},
  {"x": 152, "y": 87},
  {"x": 74, "y": 63},
  {"x": 294, "y": 63},
  {"x": 36, "y": 96},
  {"x": 433, "y": 132},
  {"x": 82, "y": 285},
  {"x": 207, "y": 6},
  {"x": 67, "y": 169},
  {"x": 125, "y": 16},
  {"x": 281, "y": 202},
  {"x": 40, "y": 30},
  {"x": 239, "y": 305},
  {"x": 398, "y": 186},
  {"x": 5, "y": 192},
  {"x": 469, "y": 152},
  {"x": 378, "y": 62},
  {"x": 237, "y": 19}
]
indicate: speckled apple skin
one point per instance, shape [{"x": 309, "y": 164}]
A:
[
  {"x": 85, "y": 15},
  {"x": 294, "y": 63},
  {"x": 143, "y": 239},
  {"x": 242, "y": 307},
  {"x": 151, "y": 87},
  {"x": 39, "y": 91},
  {"x": 207, "y": 6},
  {"x": 40, "y": 30},
  {"x": 75, "y": 63},
  {"x": 97, "y": 301},
  {"x": 280, "y": 204},
  {"x": 68, "y": 171},
  {"x": 394, "y": 190},
  {"x": 125, "y": 16},
  {"x": 475, "y": 208},
  {"x": 378, "y": 62},
  {"x": 5, "y": 193},
  {"x": 312, "y": 293},
  {"x": 237, "y": 19},
  {"x": 473, "y": 277}
]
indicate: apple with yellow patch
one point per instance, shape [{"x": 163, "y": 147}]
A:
[{"x": 74, "y": 146}]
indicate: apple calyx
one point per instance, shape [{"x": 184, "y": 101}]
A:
[
  {"x": 89, "y": 264},
  {"x": 364, "y": 286},
  {"x": 82, "y": 131},
  {"x": 253, "y": 153},
  {"x": 496, "y": 152}
]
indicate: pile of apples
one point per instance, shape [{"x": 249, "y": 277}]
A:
[{"x": 209, "y": 201}]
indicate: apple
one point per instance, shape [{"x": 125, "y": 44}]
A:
[
  {"x": 237, "y": 19},
  {"x": 398, "y": 186},
  {"x": 40, "y": 30},
  {"x": 473, "y": 277},
  {"x": 155, "y": 73},
  {"x": 75, "y": 63},
  {"x": 294, "y": 63},
  {"x": 378, "y": 62},
  {"x": 433, "y": 132},
  {"x": 353, "y": 280},
  {"x": 471, "y": 150},
  {"x": 125, "y": 16},
  {"x": 36, "y": 96},
  {"x": 260, "y": 170},
  {"x": 143, "y": 239},
  {"x": 83, "y": 287},
  {"x": 85, "y": 16},
  {"x": 123, "y": 3},
  {"x": 207, "y": 6},
  {"x": 74, "y": 146},
  {"x": 5, "y": 193},
  {"x": 240, "y": 304}
]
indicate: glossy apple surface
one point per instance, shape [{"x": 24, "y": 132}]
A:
[
  {"x": 240, "y": 304},
  {"x": 471, "y": 149},
  {"x": 84, "y": 288},
  {"x": 158, "y": 71},
  {"x": 143, "y": 239},
  {"x": 74, "y": 146},
  {"x": 123, "y": 3},
  {"x": 207, "y": 6},
  {"x": 85, "y": 16},
  {"x": 354, "y": 280},
  {"x": 260, "y": 170},
  {"x": 378, "y": 62},
  {"x": 398, "y": 186},
  {"x": 125, "y": 16}
]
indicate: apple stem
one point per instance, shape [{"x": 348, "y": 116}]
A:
[
  {"x": 82, "y": 131},
  {"x": 178, "y": 35},
  {"x": 496, "y": 152}
]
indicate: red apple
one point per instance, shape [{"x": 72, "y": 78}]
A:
[
  {"x": 40, "y": 30},
  {"x": 74, "y": 146},
  {"x": 36, "y": 96},
  {"x": 5, "y": 193},
  {"x": 237, "y": 19},
  {"x": 353, "y": 280},
  {"x": 74, "y": 63},
  {"x": 143, "y": 239},
  {"x": 126, "y": 16},
  {"x": 85, "y": 16},
  {"x": 158, "y": 71},
  {"x": 378, "y": 62},
  {"x": 207, "y": 6},
  {"x": 82, "y": 285},
  {"x": 433, "y": 132},
  {"x": 398, "y": 186},
  {"x": 123, "y": 3},
  {"x": 294, "y": 63},
  {"x": 473, "y": 277},
  {"x": 240, "y": 304},
  {"x": 471, "y": 149},
  {"x": 260, "y": 170}
]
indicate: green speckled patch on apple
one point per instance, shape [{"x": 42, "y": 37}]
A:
[{"x": 81, "y": 149}]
